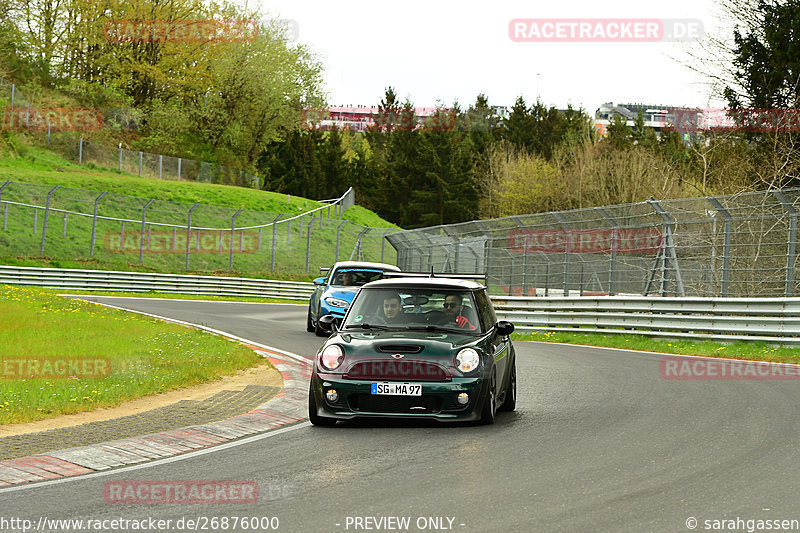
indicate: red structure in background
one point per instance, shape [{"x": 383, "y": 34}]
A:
[{"x": 360, "y": 118}]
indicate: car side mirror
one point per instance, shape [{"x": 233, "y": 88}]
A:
[
  {"x": 328, "y": 323},
  {"x": 504, "y": 328},
  {"x": 319, "y": 281}
]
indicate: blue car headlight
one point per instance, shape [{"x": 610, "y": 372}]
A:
[{"x": 336, "y": 302}]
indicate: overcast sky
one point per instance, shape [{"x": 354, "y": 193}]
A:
[{"x": 438, "y": 51}]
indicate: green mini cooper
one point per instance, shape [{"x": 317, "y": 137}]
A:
[{"x": 415, "y": 347}]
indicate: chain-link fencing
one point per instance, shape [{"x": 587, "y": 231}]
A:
[
  {"x": 157, "y": 166},
  {"x": 76, "y": 224},
  {"x": 739, "y": 246}
]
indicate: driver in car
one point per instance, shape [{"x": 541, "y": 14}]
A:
[
  {"x": 392, "y": 308},
  {"x": 453, "y": 307}
]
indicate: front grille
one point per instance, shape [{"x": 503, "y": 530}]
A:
[
  {"x": 397, "y": 370},
  {"x": 395, "y": 404}
]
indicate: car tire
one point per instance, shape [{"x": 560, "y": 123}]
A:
[
  {"x": 489, "y": 406},
  {"x": 313, "y": 417},
  {"x": 510, "y": 401},
  {"x": 320, "y": 332},
  {"x": 310, "y": 323}
]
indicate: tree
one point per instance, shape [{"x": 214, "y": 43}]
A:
[{"x": 766, "y": 52}]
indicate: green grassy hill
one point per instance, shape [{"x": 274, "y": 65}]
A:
[{"x": 35, "y": 170}]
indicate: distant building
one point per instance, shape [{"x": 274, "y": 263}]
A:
[
  {"x": 684, "y": 119},
  {"x": 359, "y": 118}
]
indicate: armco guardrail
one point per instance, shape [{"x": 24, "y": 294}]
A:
[
  {"x": 106, "y": 280},
  {"x": 775, "y": 320}
]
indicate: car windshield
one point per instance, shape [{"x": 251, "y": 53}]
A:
[
  {"x": 349, "y": 277},
  {"x": 410, "y": 309}
]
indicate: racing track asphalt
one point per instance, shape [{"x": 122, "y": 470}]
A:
[{"x": 599, "y": 442}]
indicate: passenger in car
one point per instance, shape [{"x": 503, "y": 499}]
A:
[{"x": 453, "y": 309}]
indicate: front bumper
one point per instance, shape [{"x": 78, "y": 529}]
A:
[{"x": 438, "y": 400}]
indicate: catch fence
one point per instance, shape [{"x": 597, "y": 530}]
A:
[
  {"x": 75, "y": 224},
  {"x": 741, "y": 245}
]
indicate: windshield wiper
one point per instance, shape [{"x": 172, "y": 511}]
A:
[
  {"x": 366, "y": 326},
  {"x": 432, "y": 328}
]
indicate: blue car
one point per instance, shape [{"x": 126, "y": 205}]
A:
[{"x": 333, "y": 293}]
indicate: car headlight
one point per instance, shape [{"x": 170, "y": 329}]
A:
[
  {"x": 332, "y": 356},
  {"x": 336, "y": 302},
  {"x": 467, "y": 360}
]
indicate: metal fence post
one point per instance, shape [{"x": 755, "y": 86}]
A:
[
  {"x": 140, "y": 163},
  {"x": 726, "y": 247},
  {"x": 80, "y": 151},
  {"x": 338, "y": 239},
  {"x": 189, "y": 234},
  {"x": 141, "y": 237},
  {"x": 668, "y": 252},
  {"x": 383, "y": 241},
  {"x": 46, "y": 213},
  {"x": 94, "y": 226},
  {"x": 308, "y": 241},
  {"x": 64, "y": 229},
  {"x": 179, "y": 169},
  {"x": 48, "y": 130},
  {"x": 160, "y": 165},
  {"x": 567, "y": 251},
  {"x": 13, "y": 91},
  {"x": 614, "y": 246},
  {"x": 791, "y": 251},
  {"x": 233, "y": 236},
  {"x": 519, "y": 224},
  {"x": 274, "y": 240},
  {"x": 119, "y": 164},
  {"x": 5, "y": 207},
  {"x": 357, "y": 247}
]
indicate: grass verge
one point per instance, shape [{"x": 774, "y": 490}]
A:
[
  {"x": 174, "y": 296},
  {"x": 756, "y": 351},
  {"x": 145, "y": 356}
]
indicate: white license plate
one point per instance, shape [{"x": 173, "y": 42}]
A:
[{"x": 397, "y": 389}]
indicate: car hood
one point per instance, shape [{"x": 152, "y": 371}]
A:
[
  {"x": 343, "y": 293},
  {"x": 411, "y": 344}
]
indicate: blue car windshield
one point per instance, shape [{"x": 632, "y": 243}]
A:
[
  {"x": 412, "y": 308},
  {"x": 354, "y": 277}
]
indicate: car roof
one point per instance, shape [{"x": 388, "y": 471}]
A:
[
  {"x": 364, "y": 264},
  {"x": 420, "y": 282}
]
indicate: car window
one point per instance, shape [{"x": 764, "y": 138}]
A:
[
  {"x": 350, "y": 277},
  {"x": 417, "y": 308},
  {"x": 485, "y": 310}
]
